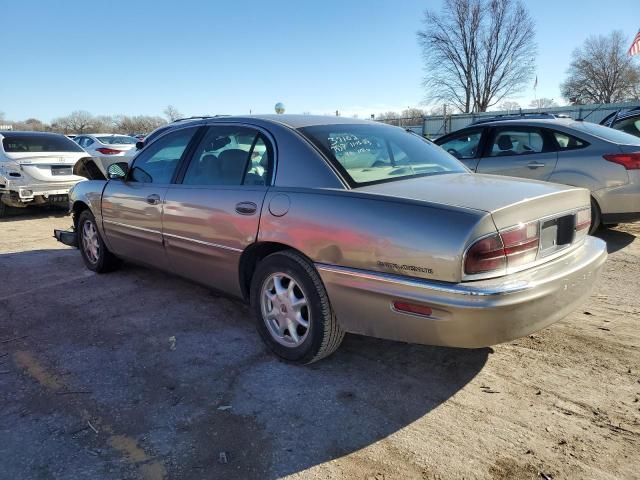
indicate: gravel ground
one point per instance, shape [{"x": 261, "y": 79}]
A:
[{"x": 137, "y": 374}]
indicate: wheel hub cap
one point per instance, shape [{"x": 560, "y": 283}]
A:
[
  {"x": 285, "y": 310},
  {"x": 90, "y": 243}
]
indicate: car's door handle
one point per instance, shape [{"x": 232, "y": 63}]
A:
[
  {"x": 246, "y": 208},
  {"x": 535, "y": 164},
  {"x": 153, "y": 199}
]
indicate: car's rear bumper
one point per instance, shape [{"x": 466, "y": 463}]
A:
[
  {"x": 27, "y": 191},
  {"x": 621, "y": 203},
  {"x": 470, "y": 314}
]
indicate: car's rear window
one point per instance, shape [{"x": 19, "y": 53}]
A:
[
  {"x": 606, "y": 133},
  {"x": 117, "y": 140},
  {"x": 367, "y": 154},
  {"x": 14, "y": 143}
]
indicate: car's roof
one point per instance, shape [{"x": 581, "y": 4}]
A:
[
  {"x": 290, "y": 120},
  {"x": 27, "y": 133},
  {"x": 530, "y": 121},
  {"x": 103, "y": 135}
]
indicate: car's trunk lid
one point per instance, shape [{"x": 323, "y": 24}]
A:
[
  {"x": 49, "y": 166},
  {"x": 509, "y": 200}
]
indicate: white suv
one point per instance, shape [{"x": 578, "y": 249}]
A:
[{"x": 36, "y": 168}]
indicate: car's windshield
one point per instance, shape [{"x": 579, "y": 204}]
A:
[
  {"x": 367, "y": 154},
  {"x": 117, "y": 140},
  {"x": 606, "y": 133},
  {"x": 16, "y": 143}
]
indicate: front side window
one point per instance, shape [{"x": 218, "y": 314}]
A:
[
  {"x": 158, "y": 163},
  {"x": 523, "y": 141},
  {"x": 464, "y": 145},
  {"x": 629, "y": 125},
  {"x": 230, "y": 155},
  {"x": 367, "y": 154},
  {"x": 19, "y": 143}
]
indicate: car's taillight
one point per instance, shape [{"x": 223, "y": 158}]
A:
[
  {"x": 486, "y": 255},
  {"x": 108, "y": 151},
  {"x": 521, "y": 243},
  {"x": 630, "y": 161},
  {"x": 583, "y": 222},
  {"x": 509, "y": 248}
]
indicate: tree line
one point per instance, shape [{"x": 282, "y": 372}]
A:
[
  {"x": 478, "y": 53},
  {"x": 81, "y": 121}
]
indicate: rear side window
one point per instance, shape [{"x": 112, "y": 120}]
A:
[
  {"x": 521, "y": 141},
  {"x": 568, "y": 142},
  {"x": 158, "y": 163},
  {"x": 230, "y": 156},
  {"x": 20, "y": 143}
]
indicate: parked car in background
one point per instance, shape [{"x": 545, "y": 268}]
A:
[
  {"x": 327, "y": 225},
  {"x": 627, "y": 121},
  {"x": 36, "y": 168},
  {"x": 582, "y": 154},
  {"x": 107, "y": 148}
]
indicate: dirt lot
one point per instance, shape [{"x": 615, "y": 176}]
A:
[{"x": 93, "y": 384}]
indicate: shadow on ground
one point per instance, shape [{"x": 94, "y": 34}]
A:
[
  {"x": 616, "y": 239},
  {"x": 14, "y": 214},
  {"x": 209, "y": 403}
]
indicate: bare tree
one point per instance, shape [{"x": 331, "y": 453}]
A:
[
  {"x": 509, "y": 106},
  {"x": 138, "y": 124},
  {"x": 392, "y": 118},
  {"x": 79, "y": 121},
  {"x": 602, "y": 72},
  {"x": 543, "y": 103},
  {"x": 172, "y": 113},
  {"x": 477, "y": 52}
]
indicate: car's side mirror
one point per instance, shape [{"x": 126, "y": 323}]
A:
[
  {"x": 139, "y": 145},
  {"x": 117, "y": 171}
]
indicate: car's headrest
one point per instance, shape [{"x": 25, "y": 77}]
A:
[
  {"x": 232, "y": 163},
  {"x": 505, "y": 143}
]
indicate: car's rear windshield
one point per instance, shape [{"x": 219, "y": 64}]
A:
[
  {"x": 367, "y": 154},
  {"x": 17, "y": 143},
  {"x": 117, "y": 140},
  {"x": 606, "y": 133}
]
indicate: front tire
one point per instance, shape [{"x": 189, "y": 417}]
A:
[
  {"x": 292, "y": 309},
  {"x": 95, "y": 253}
]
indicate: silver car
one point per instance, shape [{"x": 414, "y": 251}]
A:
[
  {"x": 582, "y": 154},
  {"x": 328, "y": 225}
]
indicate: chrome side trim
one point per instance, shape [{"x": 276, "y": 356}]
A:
[
  {"x": 148, "y": 230},
  {"x": 453, "y": 289},
  {"x": 202, "y": 242}
]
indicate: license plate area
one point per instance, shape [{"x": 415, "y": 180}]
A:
[
  {"x": 57, "y": 170},
  {"x": 556, "y": 234}
]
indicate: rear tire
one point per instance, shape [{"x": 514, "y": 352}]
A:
[
  {"x": 292, "y": 309},
  {"x": 95, "y": 253},
  {"x": 595, "y": 217}
]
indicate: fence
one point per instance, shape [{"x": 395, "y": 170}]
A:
[{"x": 435, "y": 126}]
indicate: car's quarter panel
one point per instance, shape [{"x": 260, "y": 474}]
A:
[
  {"x": 132, "y": 225},
  {"x": 89, "y": 193},
  {"x": 469, "y": 315},
  {"x": 373, "y": 232},
  {"x": 206, "y": 228}
]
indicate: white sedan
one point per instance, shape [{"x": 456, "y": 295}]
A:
[
  {"x": 36, "y": 168},
  {"x": 108, "y": 148}
]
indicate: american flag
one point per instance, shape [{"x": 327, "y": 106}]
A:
[{"x": 634, "y": 49}]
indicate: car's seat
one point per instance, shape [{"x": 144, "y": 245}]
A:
[
  {"x": 232, "y": 165},
  {"x": 505, "y": 145}
]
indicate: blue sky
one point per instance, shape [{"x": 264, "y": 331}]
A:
[{"x": 232, "y": 57}]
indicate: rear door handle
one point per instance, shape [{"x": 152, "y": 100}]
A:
[
  {"x": 246, "y": 208},
  {"x": 535, "y": 164},
  {"x": 153, "y": 199}
]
